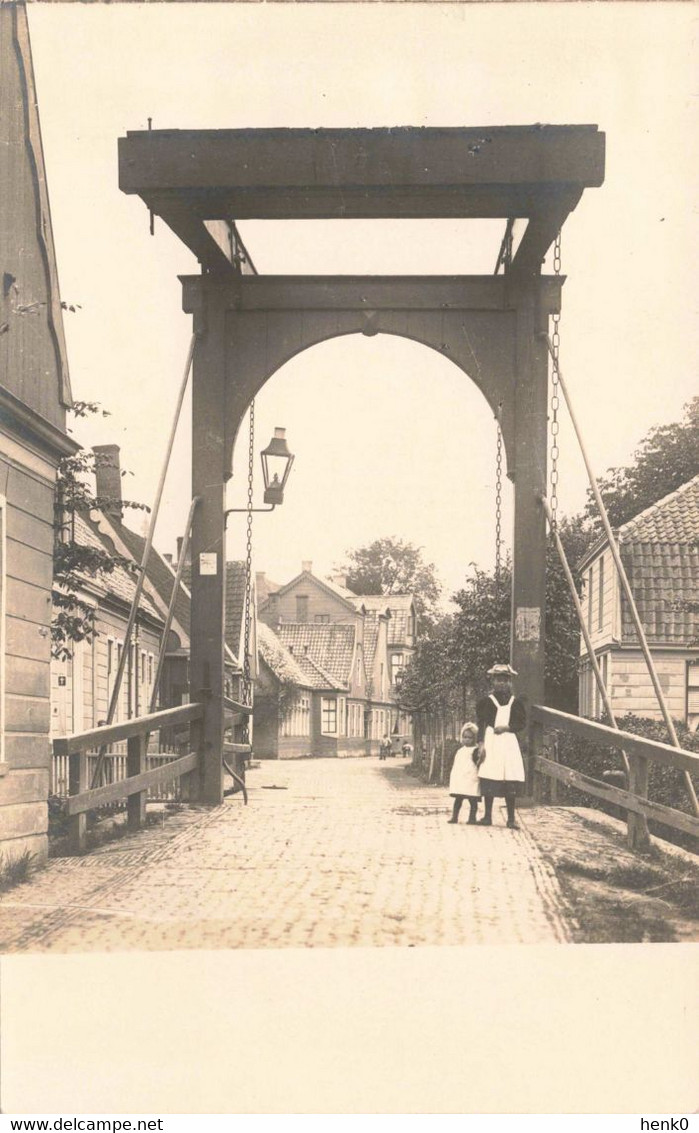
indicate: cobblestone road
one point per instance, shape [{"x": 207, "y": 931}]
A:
[{"x": 327, "y": 853}]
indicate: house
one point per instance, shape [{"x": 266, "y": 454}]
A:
[
  {"x": 82, "y": 685},
  {"x": 340, "y": 642},
  {"x": 34, "y": 396},
  {"x": 660, "y": 551}
]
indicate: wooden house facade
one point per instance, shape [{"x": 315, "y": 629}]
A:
[
  {"x": 660, "y": 551},
  {"x": 339, "y": 650},
  {"x": 34, "y": 397}
]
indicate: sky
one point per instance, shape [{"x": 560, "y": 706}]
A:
[{"x": 390, "y": 438}]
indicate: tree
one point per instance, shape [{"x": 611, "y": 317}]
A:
[
  {"x": 395, "y": 566},
  {"x": 667, "y": 457},
  {"x": 74, "y": 563},
  {"x": 462, "y": 647}
]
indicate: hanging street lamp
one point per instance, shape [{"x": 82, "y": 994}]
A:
[{"x": 276, "y": 466}]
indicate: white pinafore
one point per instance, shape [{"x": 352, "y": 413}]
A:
[{"x": 503, "y": 758}]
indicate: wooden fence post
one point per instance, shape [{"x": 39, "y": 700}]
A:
[
  {"x": 136, "y": 748},
  {"x": 638, "y": 837},
  {"x": 77, "y": 783},
  {"x": 536, "y": 747}
]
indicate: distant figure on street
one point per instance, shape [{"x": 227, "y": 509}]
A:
[
  {"x": 407, "y": 749},
  {"x": 501, "y": 768},
  {"x": 385, "y": 747},
  {"x": 463, "y": 781}
]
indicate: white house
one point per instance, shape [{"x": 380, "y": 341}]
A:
[{"x": 660, "y": 551}]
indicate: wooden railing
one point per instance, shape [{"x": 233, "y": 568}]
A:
[
  {"x": 134, "y": 788},
  {"x": 634, "y": 799}
]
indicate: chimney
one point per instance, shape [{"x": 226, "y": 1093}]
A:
[
  {"x": 108, "y": 478},
  {"x": 307, "y": 565},
  {"x": 271, "y": 615},
  {"x": 168, "y": 558},
  {"x": 188, "y": 557}
]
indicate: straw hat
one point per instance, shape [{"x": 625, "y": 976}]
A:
[{"x": 502, "y": 671}]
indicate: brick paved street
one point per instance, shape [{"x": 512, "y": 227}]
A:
[{"x": 327, "y": 853}]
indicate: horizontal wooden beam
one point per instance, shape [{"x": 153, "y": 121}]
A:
[
  {"x": 603, "y": 734},
  {"x": 664, "y": 814},
  {"x": 329, "y": 163},
  {"x": 234, "y": 706},
  {"x": 236, "y": 749},
  {"x": 112, "y": 733},
  {"x": 102, "y": 796},
  {"x": 297, "y": 293}
]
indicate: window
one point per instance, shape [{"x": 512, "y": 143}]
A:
[
  {"x": 692, "y": 692},
  {"x": 600, "y": 595},
  {"x": 397, "y": 663},
  {"x": 590, "y": 576},
  {"x": 328, "y": 716},
  {"x": 301, "y": 607},
  {"x": 322, "y": 619}
]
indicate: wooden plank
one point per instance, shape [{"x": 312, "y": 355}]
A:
[
  {"x": 603, "y": 734},
  {"x": 24, "y": 787},
  {"x": 29, "y": 565},
  {"x": 27, "y": 639},
  {"x": 27, "y": 677},
  {"x": 335, "y": 160},
  {"x": 27, "y": 713},
  {"x": 30, "y": 529},
  {"x": 419, "y": 293},
  {"x": 23, "y": 751},
  {"x": 27, "y": 602},
  {"x": 22, "y": 820},
  {"x": 233, "y": 706},
  {"x": 669, "y": 817},
  {"x": 101, "y": 796},
  {"x": 98, "y": 737},
  {"x": 231, "y": 749}
]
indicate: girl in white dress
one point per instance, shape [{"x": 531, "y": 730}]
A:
[
  {"x": 501, "y": 768},
  {"x": 463, "y": 781}
]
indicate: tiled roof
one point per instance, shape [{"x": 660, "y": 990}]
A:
[
  {"x": 329, "y": 646},
  {"x": 160, "y": 575},
  {"x": 660, "y": 551},
  {"x": 235, "y": 604},
  {"x": 674, "y": 519},
  {"x": 316, "y": 676},
  {"x": 664, "y": 579},
  {"x": 284, "y": 666},
  {"x": 371, "y": 640},
  {"x": 400, "y": 607},
  {"x": 119, "y": 583}
]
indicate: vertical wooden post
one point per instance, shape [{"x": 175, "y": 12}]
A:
[
  {"x": 77, "y": 783},
  {"x": 637, "y": 836},
  {"x": 529, "y": 542},
  {"x": 208, "y": 542},
  {"x": 135, "y": 764},
  {"x": 535, "y": 779}
]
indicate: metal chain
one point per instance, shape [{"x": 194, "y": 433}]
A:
[
  {"x": 247, "y": 682},
  {"x": 555, "y": 400},
  {"x": 498, "y": 503}
]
